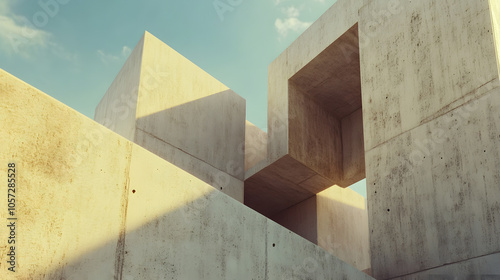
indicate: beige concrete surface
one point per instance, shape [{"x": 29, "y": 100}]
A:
[
  {"x": 343, "y": 226},
  {"x": 484, "y": 267},
  {"x": 335, "y": 219},
  {"x": 92, "y": 205},
  {"x": 71, "y": 185},
  {"x": 427, "y": 59},
  {"x": 301, "y": 218},
  {"x": 255, "y": 145},
  {"x": 433, "y": 195},
  {"x": 168, "y": 105},
  {"x": 291, "y": 257},
  {"x": 117, "y": 109}
]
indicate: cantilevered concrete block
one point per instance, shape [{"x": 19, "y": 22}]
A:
[
  {"x": 336, "y": 219},
  {"x": 314, "y": 115},
  {"x": 168, "y": 105}
]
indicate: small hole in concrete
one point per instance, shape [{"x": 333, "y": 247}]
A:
[
  {"x": 485, "y": 151},
  {"x": 133, "y": 191},
  {"x": 221, "y": 188},
  {"x": 274, "y": 245},
  {"x": 388, "y": 210},
  {"x": 375, "y": 191}
]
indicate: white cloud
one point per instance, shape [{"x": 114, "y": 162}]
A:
[
  {"x": 18, "y": 35},
  {"x": 291, "y": 23},
  {"x": 291, "y": 11},
  {"x": 110, "y": 58},
  {"x": 277, "y": 2}
]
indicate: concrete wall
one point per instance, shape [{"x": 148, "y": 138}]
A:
[
  {"x": 484, "y": 267},
  {"x": 335, "y": 219},
  {"x": 181, "y": 113},
  {"x": 343, "y": 226},
  {"x": 255, "y": 145},
  {"x": 117, "y": 109},
  {"x": 302, "y": 218},
  {"x": 92, "y": 205},
  {"x": 430, "y": 103}
]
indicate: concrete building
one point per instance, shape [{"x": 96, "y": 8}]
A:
[{"x": 174, "y": 184}]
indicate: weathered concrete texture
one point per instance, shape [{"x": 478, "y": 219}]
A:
[
  {"x": 421, "y": 59},
  {"x": 71, "y": 184},
  {"x": 291, "y": 257},
  {"x": 255, "y": 145},
  {"x": 481, "y": 268},
  {"x": 301, "y": 218},
  {"x": 431, "y": 128},
  {"x": 433, "y": 191},
  {"x": 176, "y": 110},
  {"x": 343, "y": 226},
  {"x": 93, "y": 205},
  {"x": 314, "y": 104},
  {"x": 336, "y": 219}
]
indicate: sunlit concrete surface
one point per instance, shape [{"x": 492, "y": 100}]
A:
[
  {"x": 404, "y": 93},
  {"x": 163, "y": 102},
  {"x": 93, "y": 205},
  {"x": 335, "y": 219}
]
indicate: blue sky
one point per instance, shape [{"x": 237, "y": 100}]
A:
[{"x": 72, "y": 50}]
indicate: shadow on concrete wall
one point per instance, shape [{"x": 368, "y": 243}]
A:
[
  {"x": 201, "y": 137},
  {"x": 197, "y": 240}
]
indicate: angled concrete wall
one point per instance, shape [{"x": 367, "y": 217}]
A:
[
  {"x": 173, "y": 108},
  {"x": 93, "y": 205}
]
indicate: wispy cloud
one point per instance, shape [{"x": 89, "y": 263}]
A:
[
  {"x": 277, "y": 2},
  {"x": 111, "y": 58},
  {"x": 19, "y": 36},
  {"x": 291, "y": 23}
]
